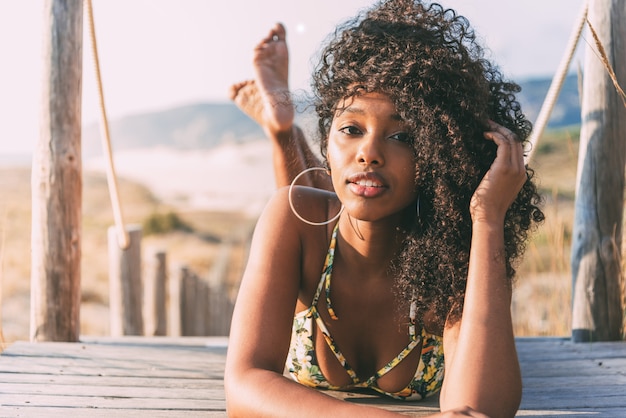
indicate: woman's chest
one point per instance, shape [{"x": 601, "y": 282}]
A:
[{"x": 366, "y": 337}]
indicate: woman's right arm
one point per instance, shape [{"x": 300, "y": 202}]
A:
[{"x": 261, "y": 327}]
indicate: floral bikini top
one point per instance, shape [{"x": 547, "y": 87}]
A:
[{"x": 302, "y": 361}]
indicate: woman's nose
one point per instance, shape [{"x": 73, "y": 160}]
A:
[{"x": 370, "y": 151}]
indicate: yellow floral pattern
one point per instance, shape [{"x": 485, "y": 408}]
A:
[{"x": 302, "y": 363}]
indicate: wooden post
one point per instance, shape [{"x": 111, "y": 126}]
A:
[
  {"x": 125, "y": 298},
  {"x": 155, "y": 283},
  {"x": 596, "y": 247},
  {"x": 57, "y": 179},
  {"x": 218, "y": 310},
  {"x": 207, "y": 309},
  {"x": 174, "y": 301},
  {"x": 201, "y": 320},
  {"x": 218, "y": 314},
  {"x": 188, "y": 298}
]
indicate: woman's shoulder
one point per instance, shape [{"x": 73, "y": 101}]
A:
[
  {"x": 296, "y": 215},
  {"x": 298, "y": 242},
  {"x": 303, "y": 206}
]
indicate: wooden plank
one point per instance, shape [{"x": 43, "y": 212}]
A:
[
  {"x": 119, "y": 381},
  {"x": 118, "y": 402},
  {"x": 575, "y": 397},
  {"x": 540, "y": 382},
  {"x": 55, "y": 412},
  {"x": 195, "y": 369},
  {"x": 595, "y": 413},
  {"x": 113, "y": 367},
  {"x": 570, "y": 368},
  {"x": 55, "y": 351},
  {"x": 565, "y": 348},
  {"x": 60, "y": 351},
  {"x": 211, "y": 389},
  {"x": 126, "y": 346}
]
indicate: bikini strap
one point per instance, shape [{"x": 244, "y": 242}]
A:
[
  {"x": 326, "y": 273},
  {"x": 414, "y": 341},
  {"x": 328, "y": 270}
]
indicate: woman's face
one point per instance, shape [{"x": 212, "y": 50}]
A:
[{"x": 371, "y": 157}]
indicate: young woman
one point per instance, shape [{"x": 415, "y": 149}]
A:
[{"x": 404, "y": 256}]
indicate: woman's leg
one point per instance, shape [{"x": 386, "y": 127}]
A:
[{"x": 267, "y": 100}]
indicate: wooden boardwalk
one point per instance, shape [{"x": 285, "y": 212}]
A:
[{"x": 176, "y": 377}]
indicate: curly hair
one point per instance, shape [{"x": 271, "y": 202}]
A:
[{"x": 428, "y": 61}]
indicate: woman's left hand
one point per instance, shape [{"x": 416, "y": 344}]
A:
[{"x": 505, "y": 178}]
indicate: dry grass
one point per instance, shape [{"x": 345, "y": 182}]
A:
[
  {"x": 542, "y": 296},
  {"x": 195, "y": 249}
]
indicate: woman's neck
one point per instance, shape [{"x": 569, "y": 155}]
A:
[{"x": 370, "y": 244}]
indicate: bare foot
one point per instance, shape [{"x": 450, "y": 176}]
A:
[
  {"x": 267, "y": 99},
  {"x": 247, "y": 98}
]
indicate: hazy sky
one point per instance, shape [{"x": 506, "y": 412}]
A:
[{"x": 156, "y": 54}]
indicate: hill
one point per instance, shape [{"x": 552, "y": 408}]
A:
[
  {"x": 196, "y": 126},
  {"x": 567, "y": 108},
  {"x": 206, "y": 125}
]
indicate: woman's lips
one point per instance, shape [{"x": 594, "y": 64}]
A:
[{"x": 366, "y": 184}]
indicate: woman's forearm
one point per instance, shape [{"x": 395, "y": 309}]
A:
[
  {"x": 258, "y": 393},
  {"x": 484, "y": 371}
]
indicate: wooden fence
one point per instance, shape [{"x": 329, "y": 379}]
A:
[{"x": 150, "y": 297}]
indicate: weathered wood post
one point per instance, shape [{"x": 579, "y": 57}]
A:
[
  {"x": 217, "y": 311},
  {"x": 175, "y": 300},
  {"x": 188, "y": 300},
  {"x": 125, "y": 287},
  {"x": 57, "y": 179},
  {"x": 596, "y": 247},
  {"x": 155, "y": 285},
  {"x": 200, "y": 319}
]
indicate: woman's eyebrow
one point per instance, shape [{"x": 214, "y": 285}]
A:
[
  {"x": 352, "y": 110},
  {"x": 355, "y": 110}
]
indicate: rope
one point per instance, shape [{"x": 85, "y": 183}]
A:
[
  {"x": 123, "y": 239},
  {"x": 557, "y": 83}
]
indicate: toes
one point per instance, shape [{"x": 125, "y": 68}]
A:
[
  {"x": 232, "y": 91},
  {"x": 279, "y": 32},
  {"x": 237, "y": 88}
]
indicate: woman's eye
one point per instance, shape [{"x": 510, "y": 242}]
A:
[
  {"x": 402, "y": 137},
  {"x": 350, "y": 130}
]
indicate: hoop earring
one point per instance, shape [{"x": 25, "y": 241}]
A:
[
  {"x": 417, "y": 206},
  {"x": 293, "y": 209}
]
